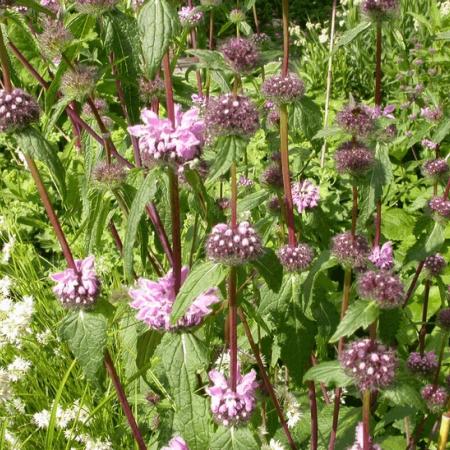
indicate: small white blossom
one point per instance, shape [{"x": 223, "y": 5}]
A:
[
  {"x": 5, "y": 286},
  {"x": 293, "y": 412},
  {"x": 5, "y": 386},
  {"x": 44, "y": 337},
  {"x": 18, "y": 368},
  {"x": 6, "y": 250},
  {"x": 15, "y": 318},
  {"x": 42, "y": 418}
]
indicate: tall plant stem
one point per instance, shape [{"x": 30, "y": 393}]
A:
[
  {"x": 441, "y": 357},
  {"x": 329, "y": 80},
  {"x": 285, "y": 65},
  {"x": 43, "y": 194},
  {"x": 266, "y": 380},
  {"x": 314, "y": 417},
  {"x": 124, "y": 402},
  {"x": 5, "y": 65},
  {"x": 288, "y": 203},
  {"x": 378, "y": 74},
  {"x": 354, "y": 209},
  {"x": 211, "y": 30},
  {"x": 443, "y": 432},
  {"x": 173, "y": 182},
  {"x": 366, "y": 420},
  {"x": 446, "y": 191},
  {"x": 233, "y": 171},
  {"x": 232, "y": 324},
  {"x": 198, "y": 75},
  {"x": 413, "y": 284},
  {"x": 423, "y": 328},
  {"x": 338, "y": 391}
]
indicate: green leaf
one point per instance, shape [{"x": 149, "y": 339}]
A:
[
  {"x": 329, "y": 373},
  {"x": 444, "y": 35},
  {"x": 233, "y": 439},
  {"x": 359, "y": 314},
  {"x": 209, "y": 59},
  {"x": 397, "y": 224},
  {"x": 34, "y": 144},
  {"x": 122, "y": 38},
  {"x": 305, "y": 115},
  {"x": 403, "y": 394},
  {"x": 144, "y": 195},
  {"x": 227, "y": 149},
  {"x": 327, "y": 132},
  {"x": 85, "y": 333},
  {"x": 183, "y": 356},
  {"x": 158, "y": 23},
  {"x": 278, "y": 300},
  {"x": 442, "y": 131},
  {"x": 435, "y": 240},
  {"x": 352, "y": 34},
  {"x": 270, "y": 268},
  {"x": 252, "y": 201},
  {"x": 202, "y": 277},
  {"x": 97, "y": 219}
]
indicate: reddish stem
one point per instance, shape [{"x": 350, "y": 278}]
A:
[
  {"x": 285, "y": 65},
  {"x": 233, "y": 195},
  {"x": 413, "y": 283},
  {"x": 211, "y": 30},
  {"x": 447, "y": 190},
  {"x": 7, "y": 86},
  {"x": 43, "y": 194},
  {"x": 232, "y": 324},
  {"x": 354, "y": 209},
  {"x": 124, "y": 402},
  {"x": 366, "y": 420},
  {"x": 423, "y": 328},
  {"x": 266, "y": 380},
  {"x": 314, "y": 418}
]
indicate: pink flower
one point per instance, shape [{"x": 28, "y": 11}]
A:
[
  {"x": 176, "y": 443},
  {"x": 359, "y": 440},
  {"x": 382, "y": 257},
  {"x": 78, "y": 287},
  {"x": 231, "y": 407},
  {"x": 305, "y": 195},
  {"x": 429, "y": 144},
  {"x": 154, "y": 301},
  {"x": 432, "y": 114},
  {"x": 159, "y": 141}
]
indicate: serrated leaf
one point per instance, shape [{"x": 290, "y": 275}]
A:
[
  {"x": 329, "y": 373},
  {"x": 352, "y": 34},
  {"x": 327, "y": 132},
  {"x": 97, "y": 219},
  {"x": 122, "y": 38},
  {"x": 270, "y": 268},
  {"x": 359, "y": 314},
  {"x": 233, "y": 439},
  {"x": 144, "y": 195},
  {"x": 435, "y": 239},
  {"x": 278, "y": 300},
  {"x": 202, "y": 277},
  {"x": 403, "y": 394},
  {"x": 34, "y": 144},
  {"x": 85, "y": 333},
  {"x": 306, "y": 116},
  {"x": 252, "y": 201},
  {"x": 209, "y": 59},
  {"x": 397, "y": 223},
  {"x": 158, "y": 23},
  {"x": 227, "y": 149},
  {"x": 442, "y": 131}
]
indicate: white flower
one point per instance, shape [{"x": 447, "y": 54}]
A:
[
  {"x": 323, "y": 38},
  {"x": 12, "y": 440},
  {"x": 293, "y": 412},
  {"x": 64, "y": 417},
  {"x": 341, "y": 23},
  {"x": 15, "y": 318},
  {"x": 275, "y": 445},
  {"x": 309, "y": 25},
  {"x": 5, "y": 387},
  {"x": 42, "y": 418},
  {"x": 18, "y": 405},
  {"x": 332, "y": 395},
  {"x": 444, "y": 8},
  {"x": 44, "y": 337},
  {"x": 18, "y": 368},
  {"x": 68, "y": 434},
  {"x": 5, "y": 286},
  {"x": 6, "y": 250},
  {"x": 97, "y": 444}
]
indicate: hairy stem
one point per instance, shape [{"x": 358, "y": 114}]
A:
[
  {"x": 124, "y": 402},
  {"x": 285, "y": 64},
  {"x": 288, "y": 203},
  {"x": 329, "y": 80},
  {"x": 268, "y": 385},
  {"x": 338, "y": 391},
  {"x": 366, "y": 420},
  {"x": 423, "y": 329},
  {"x": 43, "y": 194},
  {"x": 232, "y": 324}
]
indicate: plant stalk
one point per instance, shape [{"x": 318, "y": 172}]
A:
[
  {"x": 232, "y": 324},
  {"x": 443, "y": 432},
  {"x": 366, "y": 420},
  {"x": 441, "y": 357},
  {"x": 354, "y": 209},
  {"x": 413, "y": 284},
  {"x": 7, "y": 86},
  {"x": 423, "y": 329},
  {"x": 266, "y": 380},
  {"x": 314, "y": 417},
  {"x": 285, "y": 64},
  {"x": 124, "y": 401}
]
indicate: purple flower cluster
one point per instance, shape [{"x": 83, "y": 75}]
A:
[
  {"x": 359, "y": 440},
  {"x": 305, "y": 195},
  {"x": 382, "y": 257},
  {"x": 53, "y": 5},
  {"x": 150, "y": 89},
  {"x": 434, "y": 265},
  {"x": 176, "y": 443},
  {"x": 80, "y": 82},
  {"x": 110, "y": 175},
  {"x": 190, "y": 16},
  {"x": 233, "y": 246},
  {"x": 272, "y": 176},
  {"x": 435, "y": 397},
  {"x": 353, "y": 158},
  {"x": 237, "y": 16},
  {"x": 295, "y": 258},
  {"x": 17, "y": 110},
  {"x": 350, "y": 251},
  {"x": 100, "y": 105},
  {"x": 443, "y": 318},
  {"x": 54, "y": 38},
  {"x": 242, "y": 54},
  {"x": 228, "y": 407},
  {"x": 245, "y": 182},
  {"x": 79, "y": 287},
  {"x": 283, "y": 89},
  {"x": 435, "y": 168},
  {"x": 440, "y": 206},
  {"x": 383, "y": 287},
  {"x": 425, "y": 364},
  {"x": 154, "y": 301},
  {"x": 231, "y": 115},
  {"x": 431, "y": 114},
  {"x": 356, "y": 119},
  {"x": 379, "y": 9},
  {"x": 369, "y": 363},
  {"x": 427, "y": 143},
  {"x": 161, "y": 142},
  {"x": 260, "y": 38}
]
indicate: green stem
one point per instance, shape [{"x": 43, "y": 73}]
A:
[{"x": 5, "y": 64}]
